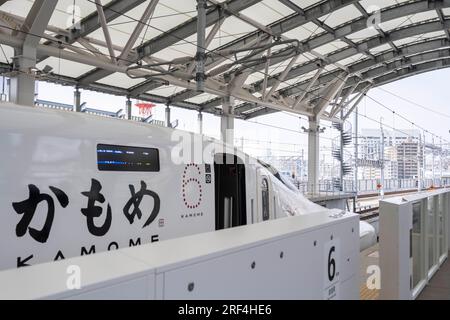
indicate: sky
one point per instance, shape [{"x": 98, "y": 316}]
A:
[{"x": 282, "y": 133}]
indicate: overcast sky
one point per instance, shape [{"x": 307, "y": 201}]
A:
[{"x": 431, "y": 90}]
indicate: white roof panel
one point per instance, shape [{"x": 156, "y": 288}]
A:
[
  {"x": 380, "y": 49},
  {"x": 17, "y": 7},
  {"x": 164, "y": 18},
  {"x": 201, "y": 98},
  {"x": 362, "y": 35},
  {"x": 65, "y": 67},
  {"x": 254, "y": 77},
  {"x": 374, "y": 5},
  {"x": 331, "y": 47},
  {"x": 424, "y": 16},
  {"x": 303, "y": 32},
  {"x": 233, "y": 25},
  {"x": 65, "y": 12},
  {"x": 266, "y": 12},
  {"x": 306, "y": 3},
  {"x": 353, "y": 59},
  {"x": 120, "y": 80},
  {"x": 341, "y": 16},
  {"x": 166, "y": 91}
]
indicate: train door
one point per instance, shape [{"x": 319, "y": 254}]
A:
[
  {"x": 264, "y": 195},
  {"x": 229, "y": 175}
]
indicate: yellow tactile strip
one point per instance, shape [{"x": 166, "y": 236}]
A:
[{"x": 368, "y": 294}]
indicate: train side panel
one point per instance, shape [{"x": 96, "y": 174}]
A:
[{"x": 56, "y": 203}]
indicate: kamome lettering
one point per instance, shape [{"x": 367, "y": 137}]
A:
[
  {"x": 98, "y": 214},
  {"x": 86, "y": 250}
]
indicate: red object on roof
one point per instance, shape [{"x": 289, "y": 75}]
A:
[{"x": 145, "y": 108}]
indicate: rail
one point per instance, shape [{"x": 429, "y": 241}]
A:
[{"x": 371, "y": 185}]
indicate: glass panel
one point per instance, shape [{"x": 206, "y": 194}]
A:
[
  {"x": 265, "y": 199},
  {"x": 431, "y": 232},
  {"x": 416, "y": 241},
  {"x": 441, "y": 225}
]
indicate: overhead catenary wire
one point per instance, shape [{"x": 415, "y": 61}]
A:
[
  {"x": 403, "y": 117},
  {"x": 414, "y": 103}
]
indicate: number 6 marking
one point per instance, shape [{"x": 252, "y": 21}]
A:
[{"x": 331, "y": 264}]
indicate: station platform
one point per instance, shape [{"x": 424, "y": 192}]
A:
[
  {"x": 437, "y": 289},
  {"x": 331, "y": 199},
  {"x": 439, "y": 286},
  {"x": 368, "y": 257}
]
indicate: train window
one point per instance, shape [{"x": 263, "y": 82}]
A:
[
  {"x": 265, "y": 199},
  {"x": 124, "y": 158},
  {"x": 277, "y": 175}
]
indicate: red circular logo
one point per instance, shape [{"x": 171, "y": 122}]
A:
[{"x": 191, "y": 187}]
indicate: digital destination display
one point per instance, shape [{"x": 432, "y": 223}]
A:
[{"x": 123, "y": 158}]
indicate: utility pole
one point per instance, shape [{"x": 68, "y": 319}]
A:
[
  {"x": 419, "y": 175},
  {"x": 424, "y": 177},
  {"x": 440, "y": 163},
  {"x": 432, "y": 157},
  {"x": 382, "y": 160},
  {"x": 341, "y": 151},
  {"x": 356, "y": 152},
  {"x": 303, "y": 163}
]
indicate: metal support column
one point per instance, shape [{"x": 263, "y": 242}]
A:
[
  {"x": 77, "y": 100},
  {"x": 313, "y": 155},
  {"x": 22, "y": 84},
  {"x": 382, "y": 161},
  {"x": 167, "y": 120},
  {"x": 227, "y": 120},
  {"x": 341, "y": 152},
  {"x": 200, "y": 122},
  {"x": 128, "y": 108},
  {"x": 201, "y": 43}
]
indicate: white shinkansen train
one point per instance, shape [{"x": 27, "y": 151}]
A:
[{"x": 74, "y": 184}]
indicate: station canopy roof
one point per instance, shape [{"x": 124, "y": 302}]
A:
[{"x": 303, "y": 56}]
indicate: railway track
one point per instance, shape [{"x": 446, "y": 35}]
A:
[{"x": 372, "y": 212}]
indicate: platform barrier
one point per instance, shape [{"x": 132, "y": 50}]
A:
[
  {"x": 414, "y": 237},
  {"x": 314, "y": 256}
]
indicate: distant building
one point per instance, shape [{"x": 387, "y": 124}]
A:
[
  {"x": 369, "y": 173},
  {"x": 290, "y": 166},
  {"x": 390, "y": 163},
  {"x": 410, "y": 159},
  {"x": 370, "y": 141},
  {"x": 369, "y": 153}
]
